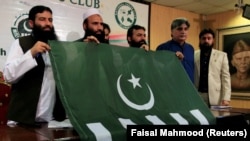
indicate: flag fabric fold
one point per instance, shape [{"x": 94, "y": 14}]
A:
[{"x": 105, "y": 87}]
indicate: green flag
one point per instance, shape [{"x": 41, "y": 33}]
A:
[{"x": 105, "y": 87}]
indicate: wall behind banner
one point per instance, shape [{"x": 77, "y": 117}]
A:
[{"x": 67, "y": 14}]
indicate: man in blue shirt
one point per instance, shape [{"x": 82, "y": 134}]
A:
[{"x": 184, "y": 51}]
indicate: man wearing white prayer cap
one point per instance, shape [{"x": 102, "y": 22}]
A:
[{"x": 93, "y": 26}]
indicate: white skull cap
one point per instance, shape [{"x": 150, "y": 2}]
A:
[{"x": 90, "y": 12}]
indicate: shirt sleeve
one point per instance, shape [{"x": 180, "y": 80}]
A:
[
  {"x": 226, "y": 79},
  {"x": 17, "y": 63}
]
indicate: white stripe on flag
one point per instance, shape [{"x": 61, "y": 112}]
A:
[
  {"x": 179, "y": 118},
  {"x": 100, "y": 132},
  {"x": 199, "y": 116},
  {"x": 126, "y": 122},
  {"x": 155, "y": 120}
]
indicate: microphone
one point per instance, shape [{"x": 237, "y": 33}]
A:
[{"x": 38, "y": 54}]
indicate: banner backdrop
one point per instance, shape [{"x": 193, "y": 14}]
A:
[
  {"x": 67, "y": 14},
  {"x": 104, "y": 88}
]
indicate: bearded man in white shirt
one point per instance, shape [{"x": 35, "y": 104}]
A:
[{"x": 33, "y": 94}]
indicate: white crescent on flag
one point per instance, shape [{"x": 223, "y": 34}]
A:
[{"x": 145, "y": 106}]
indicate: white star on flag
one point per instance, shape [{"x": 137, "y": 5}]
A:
[{"x": 134, "y": 81}]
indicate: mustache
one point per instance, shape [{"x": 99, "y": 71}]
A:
[
  {"x": 143, "y": 42},
  {"x": 47, "y": 27},
  {"x": 99, "y": 31}
]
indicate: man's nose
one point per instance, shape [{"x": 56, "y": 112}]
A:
[{"x": 100, "y": 26}]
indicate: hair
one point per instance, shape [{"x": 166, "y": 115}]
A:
[
  {"x": 85, "y": 21},
  {"x": 206, "y": 31},
  {"x": 37, "y": 9},
  {"x": 178, "y": 22},
  {"x": 240, "y": 46},
  {"x": 132, "y": 28},
  {"x": 106, "y": 26}
]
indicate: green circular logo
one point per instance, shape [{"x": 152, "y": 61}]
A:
[
  {"x": 125, "y": 15},
  {"x": 21, "y": 26}
]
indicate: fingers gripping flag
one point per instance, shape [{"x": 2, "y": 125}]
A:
[{"x": 104, "y": 88}]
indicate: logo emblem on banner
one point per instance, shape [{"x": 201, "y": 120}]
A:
[
  {"x": 125, "y": 15},
  {"x": 21, "y": 26}
]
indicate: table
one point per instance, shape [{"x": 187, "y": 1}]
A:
[
  {"x": 18, "y": 133},
  {"x": 232, "y": 116}
]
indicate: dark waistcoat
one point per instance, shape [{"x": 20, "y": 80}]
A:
[{"x": 25, "y": 93}]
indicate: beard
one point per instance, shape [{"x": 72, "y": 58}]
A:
[
  {"x": 100, "y": 37},
  {"x": 106, "y": 41},
  {"x": 43, "y": 35},
  {"x": 206, "y": 47},
  {"x": 137, "y": 44}
]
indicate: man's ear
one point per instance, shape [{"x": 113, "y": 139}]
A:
[
  {"x": 84, "y": 26},
  {"x": 129, "y": 39},
  {"x": 31, "y": 23}
]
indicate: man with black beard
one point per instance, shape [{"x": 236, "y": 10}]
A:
[
  {"x": 93, "y": 27},
  {"x": 41, "y": 34},
  {"x": 28, "y": 68},
  {"x": 136, "y": 37},
  {"x": 212, "y": 77}
]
